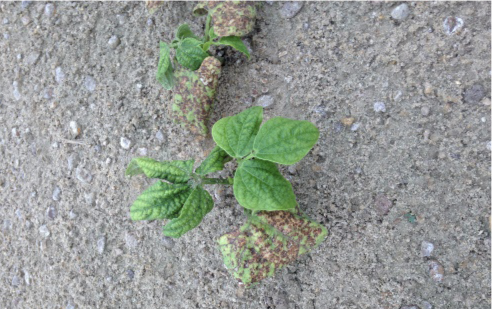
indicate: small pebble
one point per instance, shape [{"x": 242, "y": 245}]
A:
[
  {"x": 70, "y": 306},
  {"x": 292, "y": 169},
  {"x": 159, "y": 135},
  {"x": 265, "y": 101},
  {"x": 167, "y": 242},
  {"x": 130, "y": 273},
  {"x": 401, "y": 12},
  {"x": 48, "y": 93},
  {"x": 18, "y": 213},
  {"x": 51, "y": 213},
  {"x": 121, "y": 19},
  {"x": 113, "y": 42},
  {"x": 474, "y": 94},
  {"x": 89, "y": 198},
  {"x": 101, "y": 244},
  {"x": 72, "y": 214},
  {"x": 83, "y": 175},
  {"x": 125, "y": 143},
  {"x": 379, "y": 107},
  {"x": 27, "y": 277},
  {"x": 290, "y": 9},
  {"x": 452, "y": 25},
  {"x": 488, "y": 145},
  {"x": 56, "y": 194},
  {"x": 305, "y": 26},
  {"x": 382, "y": 204},
  {"x": 32, "y": 58},
  {"x": 90, "y": 83},
  {"x": 150, "y": 22},
  {"x": 43, "y": 231},
  {"x": 16, "y": 91},
  {"x": 49, "y": 9},
  {"x": 425, "y": 111},
  {"x": 486, "y": 101},
  {"x": 59, "y": 75},
  {"x": 410, "y": 307},
  {"x": 5, "y": 21},
  {"x": 355, "y": 127},
  {"x": 347, "y": 121},
  {"x": 426, "y": 248},
  {"x": 25, "y": 20},
  {"x": 436, "y": 270},
  {"x": 142, "y": 152},
  {"x": 338, "y": 126},
  {"x": 426, "y": 305},
  {"x": 25, "y": 4},
  {"x": 15, "y": 281},
  {"x": 75, "y": 129}
]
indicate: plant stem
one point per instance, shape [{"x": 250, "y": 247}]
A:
[
  {"x": 221, "y": 181},
  {"x": 207, "y": 27}
]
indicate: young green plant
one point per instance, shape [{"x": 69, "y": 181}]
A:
[{"x": 276, "y": 232}]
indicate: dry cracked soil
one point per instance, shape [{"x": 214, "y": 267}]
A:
[{"x": 400, "y": 175}]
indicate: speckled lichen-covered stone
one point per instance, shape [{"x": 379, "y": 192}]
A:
[
  {"x": 230, "y": 17},
  {"x": 194, "y": 94}
]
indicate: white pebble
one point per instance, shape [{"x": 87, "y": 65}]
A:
[
  {"x": 125, "y": 143},
  {"x": 355, "y": 127},
  {"x": 159, "y": 135},
  {"x": 379, "y": 107},
  {"x": 51, "y": 212},
  {"x": 49, "y": 9},
  {"x": 489, "y": 146},
  {"x": 90, "y": 83},
  {"x": 142, "y": 151},
  {"x": 452, "y": 25},
  {"x": 426, "y": 248},
  {"x": 72, "y": 215},
  {"x": 43, "y": 231},
  {"x": 265, "y": 101},
  {"x": 27, "y": 277},
  {"x": 113, "y": 42},
  {"x": 56, "y": 194},
  {"x": 16, "y": 91},
  {"x": 75, "y": 129},
  {"x": 59, "y": 75},
  {"x": 400, "y": 12},
  {"x": 101, "y": 244}
]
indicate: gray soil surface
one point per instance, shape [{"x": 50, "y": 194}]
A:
[{"x": 412, "y": 166}]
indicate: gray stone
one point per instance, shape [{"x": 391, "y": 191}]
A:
[
  {"x": 90, "y": 83},
  {"x": 33, "y": 58},
  {"x": 130, "y": 273},
  {"x": 16, "y": 281},
  {"x": 83, "y": 175},
  {"x": 425, "y": 111},
  {"x": 101, "y": 244},
  {"x": 291, "y": 9},
  {"x": 168, "y": 242},
  {"x": 59, "y": 75},
  {"x": 426, "y": 248},
  {"x": 474, "y": 94},
  {"x": 25, "y": 20},
  {"x": 43, "y": 231},
  {"x": 379, "y": 107},
  {"x": 400, "y": 12},
  {"x": 265, "y": 101},
  {"x": 16, "y": 92},
  {"x": 426, "y": 305},
  {"x": 51, "y": 213},
  {"x": 49, "y": 9},
  {"x": 113, "y": 42},
  {"x": 125, "y": 143},
  {"x": 355, "y": 127},
  {"x": 56, "y": 193},
  {"x": 452, "y": 25},
  {"x": 159, "y": 135}
]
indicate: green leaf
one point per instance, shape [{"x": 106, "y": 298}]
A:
[
  {"x": 258, "y": 185},
  {"x": 189, "y": 53},
  {"x": 198, "y": 204},
  {"x": 214, "y": 162},
  {"x": 285, "y": 141},
  {"x": 173, "y": 171},
  {"x": 165, "y": 74},
  {"x": 184, "y": 32},
  {"x": 160, "y": 201},
  {"x": 236, "y": 134},
  {"x": 268, "y": 242},
  {"x": 235, "y": 42}
]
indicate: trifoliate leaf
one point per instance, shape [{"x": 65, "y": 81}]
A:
[
  {"x": 165, "y": 74},
  {"x": 198, "y": 204},
  {"x": 160, "y": 201},
  {"x": 235, "y": 42},
  {"x": 285, "y": 141},
  {"x": 175, "y": 171},
  {"x": 258, "y": 185},
  {"x": 235, "y": 134},
  {"x": 267, "y": 242},
  {"x": 184, "y": 32},
  {"x": 189, "y": 53},
  {"x": 214, "y": 162}
]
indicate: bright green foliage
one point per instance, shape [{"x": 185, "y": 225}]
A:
[
  {"x": 184, "y": 32},
  {"x": 267, "y": 242},
  {"x": 165, "y": 74},
  {"x": 236, "y": 134},
  {"x": 258, "y": 185},
  {"x": 214, "y": 162},
  {"x": 285, "y": 141},
  {"x": 198, "y": 204},
  {"x": 160, "y": 201},
  {"x": 173, "y": 171},
  {"x": 189, "y": 53},
  {"x": 235, "y": 42}
]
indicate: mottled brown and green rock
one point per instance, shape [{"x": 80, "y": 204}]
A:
[
  {"x": 229, "y": 17},
  {"x": 267, "y": 242},
  {"x": 194, "y": 95},
  {"x": 152, "y": 6}
]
